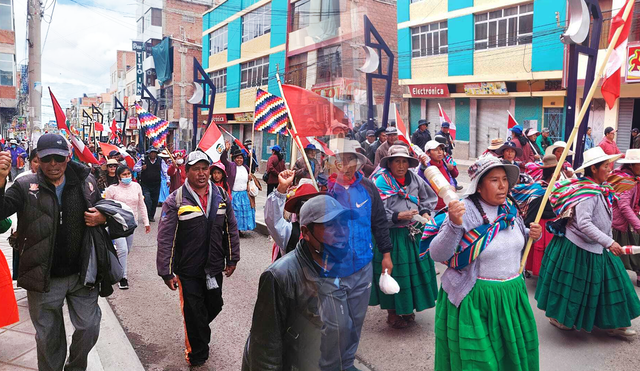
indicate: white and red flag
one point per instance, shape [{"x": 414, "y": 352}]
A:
[
  {"x": 82, "y": 152},
  {"x": 212, "y": 142},
  {"x": 107, "y": 148},
  {"x": 611, "y": 84},
  {"x": 402, "y": 135},
  {"x": 444, "y": 118},
  {"x": 320, "y": 145},
  {"x": 511, "y": 121}
]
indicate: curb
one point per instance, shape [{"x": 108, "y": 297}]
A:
[{"x": 114, "y": 350}]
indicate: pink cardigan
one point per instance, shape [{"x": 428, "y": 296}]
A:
[
  {"x": 625, "y": 210},
  {"x": 131, "y": 195}
]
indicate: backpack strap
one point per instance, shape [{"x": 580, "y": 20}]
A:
[{"x": 179, "y": 197}]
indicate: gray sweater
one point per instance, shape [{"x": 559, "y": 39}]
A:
[
  {"x": 499, "y": 260},
  {"x": 590, "y": 226},
  {"x": 417, "y": 187}
]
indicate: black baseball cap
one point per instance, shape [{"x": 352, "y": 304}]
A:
[{"x": 52, "y": 144}]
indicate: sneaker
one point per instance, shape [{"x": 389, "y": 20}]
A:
[
  {"x": 459, "y": 188},
  {"x": 123, "y": 284},
  {"x": 623, "y": 331}
]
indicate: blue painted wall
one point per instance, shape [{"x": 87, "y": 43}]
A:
[
  {"x": 205, "y": 52},
  {"x": 528, "y": 108},
  {"x": 234, "y": 40},
  {"x": 461, "y": 45},
  {"x": 233, "y": 86},
  {"x": 275, "y": 60},
  {"x": 404, "y": 53},
  {"x": 404, "y": 7},
  {"x": 414, "y": 114},
  {"x": 459, "y": 4},
  {"x": 548, "y": 51},
  {"x": 463, "y": 112},
  {"x": 279, "y": 9}
]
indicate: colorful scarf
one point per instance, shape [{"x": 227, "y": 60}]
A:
[
  {"x": 388, "y": 186},
  {"x": 535, "y": 169},
  {"x": 569, "y": 193},
  {"x": 523, "y": 192},
  {"x": 474, "y": 241},
  {"x": 623, "y": 180},
  {"x": 449, "y": 160}
]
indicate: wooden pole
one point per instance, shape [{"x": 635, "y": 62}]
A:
[
  {"x": 574, "y": 131},
  {"x": 295, "y": 136},
  {"x": 253, "y": 138}
]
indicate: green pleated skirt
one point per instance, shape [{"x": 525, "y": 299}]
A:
[
  {"x": 582, "y": 289},
  {"x": 631, "y": 262},
  {"x": 493, "y": 329},
  {"x": 416, "y": 278}
]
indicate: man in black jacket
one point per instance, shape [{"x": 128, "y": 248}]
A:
[
  {"x": 197, "y": 241},
  {"x": 422, "y": 135},
  {"x": 54, "y": 207},
  {"x": 295, "y": 309},
  {"x": 151, "y": 170}
]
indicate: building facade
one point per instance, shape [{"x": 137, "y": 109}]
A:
[
  {"x": 478, "y": 59},
  {"x": 10, "y": 124}
]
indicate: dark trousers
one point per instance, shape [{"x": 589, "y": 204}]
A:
[
  {"x": 199, "y": 307},
  {"x": 151, "y": 194},
  {"x": 270, "y": 188}
]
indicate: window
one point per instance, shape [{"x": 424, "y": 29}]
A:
[
  {"x": 7, "y": 75},
  {"x": 300, "y": 17},
  {"x": 140, "y": 25},
  {"x": 156, "y": 17},
  {"x": 6, "y": 15},
  {"x": 256, "y": 23},
  {"x": 255, "y": 73},
  {"x": 297, "y": 73},
  {"x": 329, "y": 64},
  {"x": 330, "y": 9},
  {"x": 504, "y": 27},
  {"x": 430, "y": 39},
  {"x": 219, "y": 79},
  {"x": 218, "y": 40}
]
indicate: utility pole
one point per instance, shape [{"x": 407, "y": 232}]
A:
[{"x": 35, "y": 64}]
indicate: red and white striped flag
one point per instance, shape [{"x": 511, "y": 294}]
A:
[
  {"x": 212, "y": 142},
  {"x": 107, "y": 148},
  {"x": 444, "y": 118},
  {"x": 402, "y": 135},
  {"x": 320, "y": 145},
  {"x": 82, "y": 151},
  {"x": 611, "y": 85},
  {"x": 511, "y": 121}
]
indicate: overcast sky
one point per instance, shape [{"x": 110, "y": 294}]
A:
[{"x": 84, "y": 36}]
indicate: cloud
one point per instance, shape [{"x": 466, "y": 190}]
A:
[{"x": 81, "y": 46}]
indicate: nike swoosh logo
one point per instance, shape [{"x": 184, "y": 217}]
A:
[{"x": 360, "y": 205}]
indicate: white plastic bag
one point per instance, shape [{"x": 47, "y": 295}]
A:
[{"x": 387, "y": 284}]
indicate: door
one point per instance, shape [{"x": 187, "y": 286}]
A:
[
  {"x": 554, "y": 119},
  {"x": 491, "y": 123},
  {"x": 433, "y": 113},
  {"x": 625, "y": 123},
  {"x": 596, "y": 120}
]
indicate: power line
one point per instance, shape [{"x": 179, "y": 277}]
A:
[{"x": 49, "y": 26}]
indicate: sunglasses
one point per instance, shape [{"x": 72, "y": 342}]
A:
[
  {"x": 57, "y": 158},
  {"x": 112, "y": 165}
]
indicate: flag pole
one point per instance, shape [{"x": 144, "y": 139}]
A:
[
  {"x": 576, "y": 126},
  {"x": 253, "y": 137},
  {"x": 295, "y": 136}
]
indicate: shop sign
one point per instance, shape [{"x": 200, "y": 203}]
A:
[
  {"x": 429, "y": 90},
  {"x": 633, "y": 63},
  {"x": 486, "y": 88},
  {"x": 219, "y": 118},
  {"x": 138, "y": 47},
  {"x": 133, "y": 123},
  {"x": 339, "y": 87},
  {"x": 243, "y": 117}
]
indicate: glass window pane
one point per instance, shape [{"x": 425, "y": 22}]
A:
[
  {"x": 495, "y": 14},
  {"x": 513, "y": 31},
  {"x": 526, "y": 24},
  {"x": 481, "y": 31},
  {"x": 430, "y": 44},
  {"x": 434, "y": 26},
  {"x": 436, "y": 43},
  {"x": 415, "y": 42},
  {"x": 423, "y": 44},
  {"x": 481, "y": 17},
  {"x": 415, "y": 30},
  {"x": 526, "y": 8},
  {"x": 444, "y": 38},
  {"x": 502, "y": 32},
  {"x": 424, "y": 29},
  {"x": 481, "y": 45},
  {"x": 511, "y": 11},
  {"x": 493, "y": 32},
  {"x": 443, "y": 24}
]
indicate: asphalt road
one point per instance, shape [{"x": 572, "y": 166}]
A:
[{"x": 150, "y": 314}]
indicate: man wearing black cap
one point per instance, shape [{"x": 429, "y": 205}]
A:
[
  {"x": 370, "y": 138},
  {"x": 422, "y": 135},
  {"x": 383, "y": 149},
  {"x": 151, "y": 170},
  {"x": 297, "y": 323},
  {"x": 198, "y": 241},
  {"x": 444, "y": 131},
  {"x": 54, "y": 207},
  {"x": 382, "y": 138}
]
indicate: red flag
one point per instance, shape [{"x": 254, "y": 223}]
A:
[
  {"x": 402, "y": 129},
  {"x": 512, "y": 122},
  {"x": 235, "y": 140},
  {"x": 114, "y": 130},
  {"x": 320, "y": 145},
  {"x": 212, "y": 142},
  {"x": 107, "y": 148},
  {"x": 61, "y": 119},
  {"x": 611, "y": 85},
  {"x": 312, "y": 114},
  {"x": 82, "y": 151},
  {"x": 98, "y": 126},
  {"x": 444, "y": 118}
]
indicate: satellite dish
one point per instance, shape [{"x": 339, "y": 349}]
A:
[
  {"x": 198, "y": 94},
  {"x": 372, "y": 60},
  {"x": 579, "y": 22}
]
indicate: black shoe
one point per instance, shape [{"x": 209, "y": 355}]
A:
[
  {"x": 152, "y": 220},
  {"x": 458, "y": 188},
  {"x": 123, "y": 284}
]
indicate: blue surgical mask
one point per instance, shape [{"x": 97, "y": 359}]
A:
[
  {"x": 14, "y": 146},
  {"x": 126, "y": 181}
]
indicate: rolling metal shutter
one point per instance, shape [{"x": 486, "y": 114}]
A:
[
  {"x": 491, "y": 123},
  {"x": 433, "y": 114},
  {"x": 625, "y": 121}
]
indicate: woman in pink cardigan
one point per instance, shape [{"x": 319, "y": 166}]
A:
[
  {"x": 129, "y": 193},
  {"x": 626, "y": 224}
]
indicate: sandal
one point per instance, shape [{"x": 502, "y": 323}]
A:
[
  {"x": 395, "y": 321},
  {"x": 559, "y": 325},
  {"x": 409, "y": 317},
  {"x": 623, "y": 331}
]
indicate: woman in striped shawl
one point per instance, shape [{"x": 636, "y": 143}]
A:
[
  {"x": 582, "y": 284},
  {"x": 626, "y": 223},
  {"x": 483, "y": 299}
]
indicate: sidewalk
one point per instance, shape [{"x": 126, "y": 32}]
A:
[{"x": 113, "y": 352}]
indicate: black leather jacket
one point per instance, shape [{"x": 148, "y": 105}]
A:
[{"x": 286, "y": 328}]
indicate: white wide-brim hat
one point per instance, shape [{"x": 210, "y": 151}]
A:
[
  {"x": 558, "y": 144},
  {"x": 485, "y": 164},
  {"x": 631, "y": 157},
  {"x": 595, "y": 156},
  {"x": 343, "y": 145}
]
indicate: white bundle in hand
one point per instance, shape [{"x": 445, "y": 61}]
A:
[
  {"x": 387, "y": 284},
  {"x": 631, "y": 250}
]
